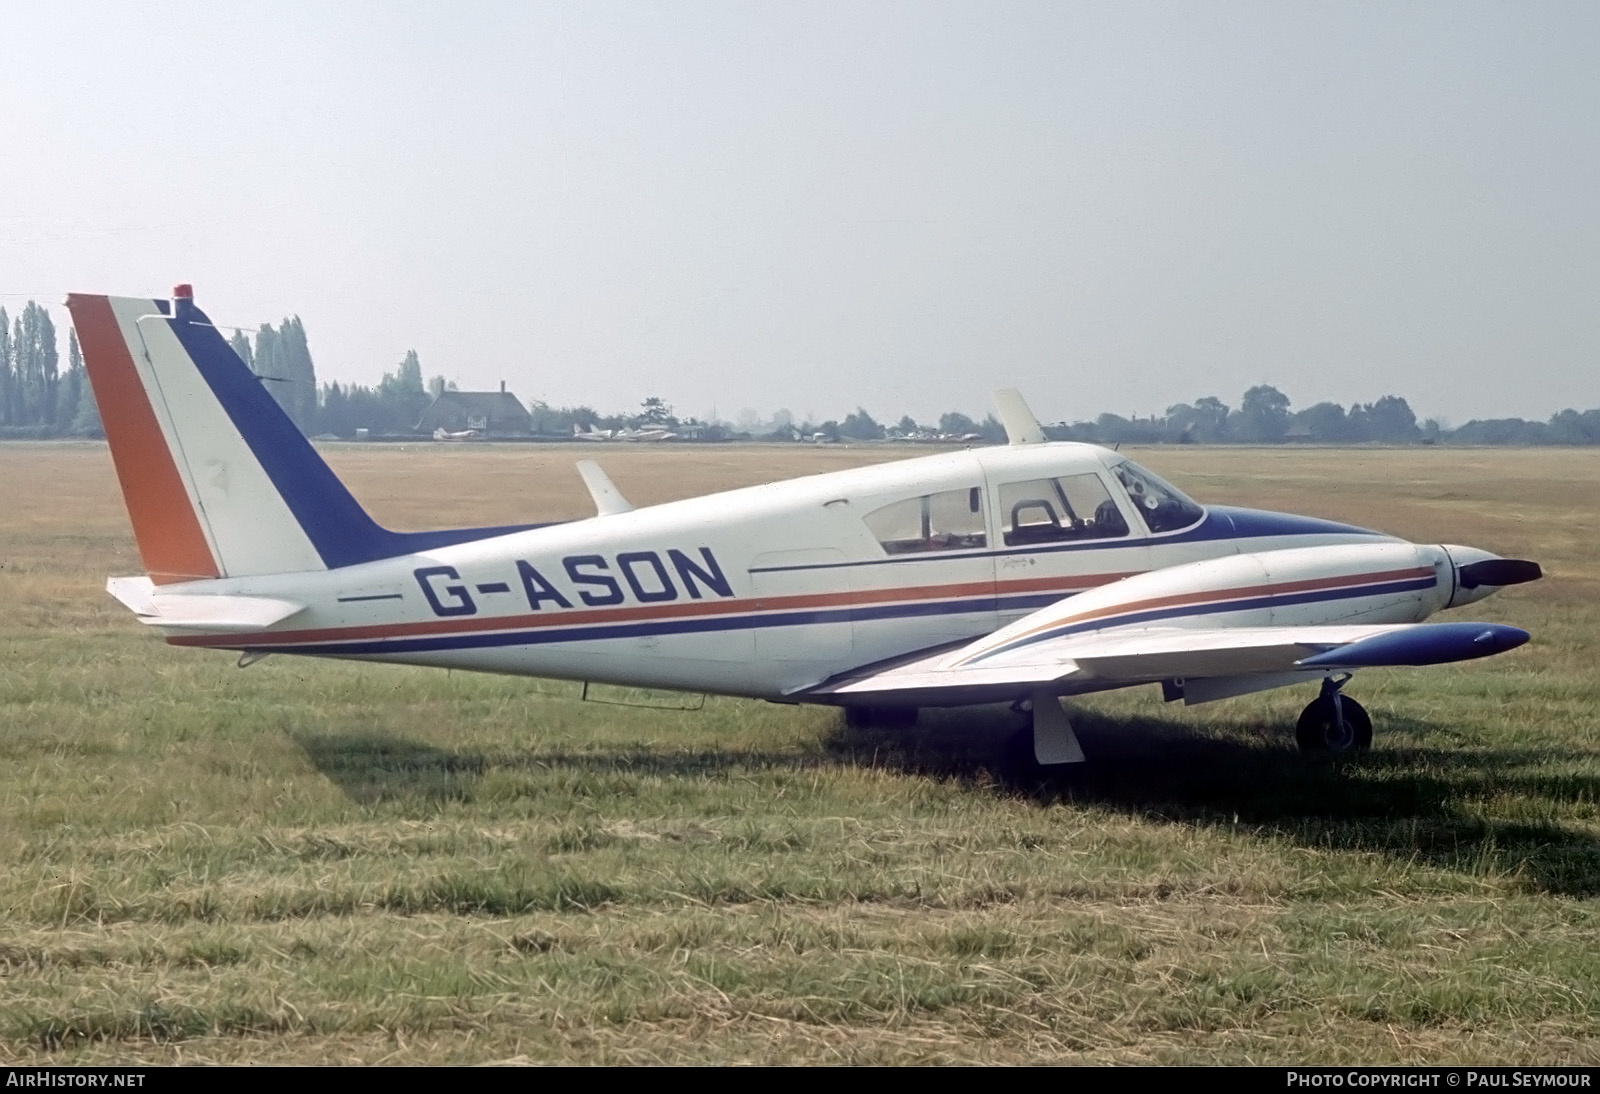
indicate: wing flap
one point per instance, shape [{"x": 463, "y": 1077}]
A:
[{"x": 927, "y": 675}]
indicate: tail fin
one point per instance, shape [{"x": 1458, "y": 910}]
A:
[
  {"x": 1021, "y": 426},
  {"x": 218, "y": 481}
]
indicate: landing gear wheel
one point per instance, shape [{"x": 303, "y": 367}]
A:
[
  {"x": 880, "y": 717},
  {"x": 1321, "y": 729}
]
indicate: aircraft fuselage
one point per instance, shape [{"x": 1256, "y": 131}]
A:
[{"x": 765, "y": 590}]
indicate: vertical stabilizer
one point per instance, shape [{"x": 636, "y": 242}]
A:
[
  {"x": 608, "y": 500},
  {"x": 1021, "y": 426},
  {"x": 218, "y": 481}
]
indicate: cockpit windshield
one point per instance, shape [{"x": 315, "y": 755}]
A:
[{"x": 1162, "y": 505}]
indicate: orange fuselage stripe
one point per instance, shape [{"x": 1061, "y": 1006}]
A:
[
  {"x": 578, "y": 617},
  {"x": 171, "y": 542}
]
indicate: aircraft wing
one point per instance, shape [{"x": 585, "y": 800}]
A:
[
  {"x": 1100, "y": 660},
  {"x": 1213, "y": 628}
]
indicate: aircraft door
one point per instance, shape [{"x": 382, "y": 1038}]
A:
[
  {"x": 806, "y": 614},
  {"x": 1059, "y": 535}
]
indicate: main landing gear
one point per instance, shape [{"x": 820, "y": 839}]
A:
[
  {"x": 1333, "y": 722},
  {"x": 1047, "y": 743}
]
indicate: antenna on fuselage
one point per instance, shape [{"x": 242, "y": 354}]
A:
[
  {"x": 1021, "y": 426},
  {"x": 608, "y": 500}
]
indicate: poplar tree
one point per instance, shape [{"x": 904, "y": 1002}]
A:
[
  {"x": 282, "y": 358},
  {"x": 8, "y": 380},
  {"x": 86, "y": 412},
  {"x": 34, "y": 363},
  {"x": 266, "y": 363},
  {"x": 296, "y": 378},
  {"x": 408, "y": 377},
  {"x": 240, "y": 343},
  {"x": 72, "y": 385}
]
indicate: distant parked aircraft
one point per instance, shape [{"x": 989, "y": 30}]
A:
[
  {"x": 929, "y": 437},
  {"x": 644, "y": 435}
]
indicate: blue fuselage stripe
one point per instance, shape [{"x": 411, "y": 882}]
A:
[{"x": 701, "y": 625}]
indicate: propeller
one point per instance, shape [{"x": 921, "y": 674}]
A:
[{"x": 1498, "y": 572}]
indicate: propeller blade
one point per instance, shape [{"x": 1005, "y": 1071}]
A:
[{"x": 1498, "y": 572}]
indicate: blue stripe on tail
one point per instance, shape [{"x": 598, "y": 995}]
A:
[{"x": 340, "y": 530}]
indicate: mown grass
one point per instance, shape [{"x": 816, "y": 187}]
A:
[{"x": 308, "y": 861}]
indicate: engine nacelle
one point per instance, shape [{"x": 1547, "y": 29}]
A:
[{"x": 1303, "y": 586}]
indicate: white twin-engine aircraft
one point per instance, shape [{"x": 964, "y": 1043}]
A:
[{"x": 1010, "y": 574}]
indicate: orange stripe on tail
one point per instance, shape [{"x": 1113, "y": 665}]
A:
[{"x": 171, "y": 542}]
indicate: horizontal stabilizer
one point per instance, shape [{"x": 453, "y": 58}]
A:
[
  {"x": 215, "y": 612},
  {"x": 134, "y": 593}
]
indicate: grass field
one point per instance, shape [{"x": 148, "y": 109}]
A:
[{"x": 319, "y": 862}]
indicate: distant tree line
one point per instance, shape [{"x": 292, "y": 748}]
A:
[
  {"x": 37, "y": 399},
  {"x": 281, "y": 357},
  {"x": 40, "y": 399},
  {"x": 1265, "y": 416}
]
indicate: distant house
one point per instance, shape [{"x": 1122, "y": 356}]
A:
[{"x": 491, "y": 413}]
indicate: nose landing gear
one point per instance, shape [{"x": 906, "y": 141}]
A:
[{"x": 1333, "y": 722}]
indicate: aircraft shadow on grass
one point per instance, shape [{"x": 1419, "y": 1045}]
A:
[
  {"x": 1414, "y": 804},
  {"x": 1411, "y": 804},
  {"x": 372, "y": 767}
]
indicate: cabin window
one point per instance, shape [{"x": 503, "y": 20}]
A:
[
  {"x": 1070, "y": 507},
  {"x": 951, "y": 520},
  {"x": 1162, "y": 505}
]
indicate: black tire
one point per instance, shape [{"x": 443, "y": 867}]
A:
[
  {"x": 1319, "y": 730},
  {"x": 880, "y": 717}
]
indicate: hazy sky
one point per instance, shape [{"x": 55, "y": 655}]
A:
[{"x": 1112, "y": 206}]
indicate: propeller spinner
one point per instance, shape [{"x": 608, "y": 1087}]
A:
[
  {"x": 1498, "y": 572},
  {"x": 1479, "y": 573}
]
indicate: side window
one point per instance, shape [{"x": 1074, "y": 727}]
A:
[
  {"x": 1071, "y": 507},
  {"x": 951, "y": 520}
]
